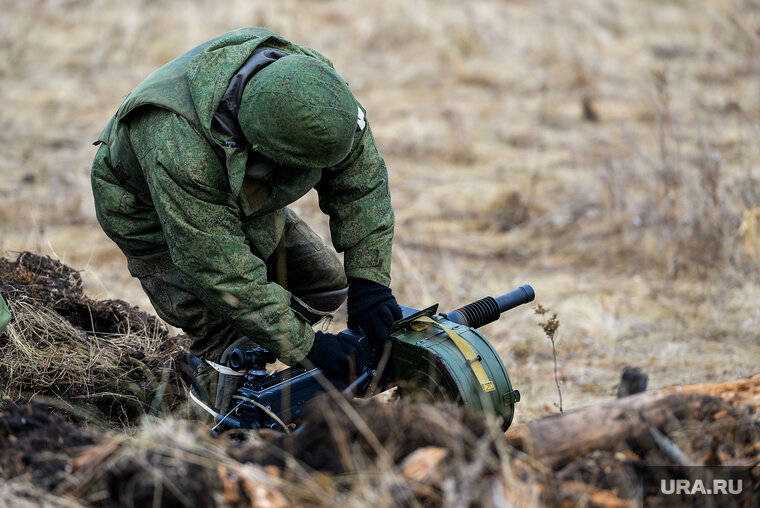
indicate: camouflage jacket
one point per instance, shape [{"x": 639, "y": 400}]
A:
[{"x": 221, "y": 214}]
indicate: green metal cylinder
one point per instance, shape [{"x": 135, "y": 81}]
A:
[{"x": 430, "y": 367}]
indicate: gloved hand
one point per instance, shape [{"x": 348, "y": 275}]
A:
[
  {"x": 332, "y": 354},
  {"x": 373, "y": 308}
]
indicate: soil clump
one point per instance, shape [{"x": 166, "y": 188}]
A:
[
  {"x": 60, "y": 288},
  {"x": 103, "y": 358},
  {"x": 39, "y": 444}
]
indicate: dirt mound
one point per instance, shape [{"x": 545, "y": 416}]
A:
[
  {"x": 59, "y": 287},
  {"x": 37, "y": 443},
  {"x": 338, "y": 433},
  {"x": 105, "y": 356},
  {"x": 402, "y": 450}
]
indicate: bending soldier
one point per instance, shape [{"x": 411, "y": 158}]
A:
[{"x": 192, "y": 179}]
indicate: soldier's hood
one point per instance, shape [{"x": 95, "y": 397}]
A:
[
  {"x": 300, "y": 115},
  {"x": 225, "y": 120},
  {"x": 209, "y": 75}
]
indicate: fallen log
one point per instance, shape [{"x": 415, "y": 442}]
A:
[
  {"x": 740, "y": 392},
  {"x": 626, "y": 423}
]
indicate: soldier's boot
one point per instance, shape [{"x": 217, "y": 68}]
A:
[
  {"x": 214, "y": 383},
  {"x": 202, "y": 385}
]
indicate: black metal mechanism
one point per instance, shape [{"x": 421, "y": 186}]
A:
[
  {"x": 255, "y": 359},
  {"x": 286, "y": 393},
  {"x": 488, "y": 309},
  {"x": 273, "y": 400}
]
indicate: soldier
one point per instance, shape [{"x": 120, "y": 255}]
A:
[{"x": 192, "y": 180}]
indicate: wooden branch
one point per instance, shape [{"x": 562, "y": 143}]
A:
[{"x": 556, "y": 440}]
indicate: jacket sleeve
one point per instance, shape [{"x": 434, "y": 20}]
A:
[
  {"x": 200, "y": 219},
  {"x": 356, "y": 196}
]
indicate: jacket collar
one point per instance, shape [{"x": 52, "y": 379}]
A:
[{"x": 225, "y": 120}]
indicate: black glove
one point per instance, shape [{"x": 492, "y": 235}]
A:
[
  {"x": 332, "y": 354},
  {"x": 371, "y": 307}
]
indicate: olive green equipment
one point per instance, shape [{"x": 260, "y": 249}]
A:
[
  {"x": 432, "y": 357},
  {"x": 5, "y": 315},
  {"x": 443, "y": 357}
]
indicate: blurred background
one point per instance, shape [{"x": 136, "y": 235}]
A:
[{"x": 604, "y": 152}]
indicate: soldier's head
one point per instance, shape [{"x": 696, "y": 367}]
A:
[{"x": 298, "y": 112}]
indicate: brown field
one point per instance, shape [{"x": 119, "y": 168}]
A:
[
  {"x": 639, "y": 229},
  {"x": 607, "y": 153}
]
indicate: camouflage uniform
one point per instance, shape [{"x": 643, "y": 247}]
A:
[{"x": 200, "y": 214}]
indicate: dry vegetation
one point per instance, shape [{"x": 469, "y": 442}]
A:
[
  {"x": 111, "y": 361},
  {"x": 605, "y": 152},
  {"x": 378, "y": 454}
]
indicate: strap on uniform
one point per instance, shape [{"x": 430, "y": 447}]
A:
[
  {"x": 223, "y": 369},
  {"x": 323, "y": 313},
  {"x": 471, "y": 357},
  {"x": 203, "y": 406}
]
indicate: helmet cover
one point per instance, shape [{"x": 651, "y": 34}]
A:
[{"x": 299, "y": 112}]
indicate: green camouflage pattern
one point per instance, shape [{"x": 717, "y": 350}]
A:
[
  {"x": 310, "y": 267},
  {"x": 298, "y": 112},
  {"x": 163, "y": 181},
  {"x": 5, "y": 315}
]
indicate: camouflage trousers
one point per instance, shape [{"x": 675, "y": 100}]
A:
[{"x": 302, "y": 263}]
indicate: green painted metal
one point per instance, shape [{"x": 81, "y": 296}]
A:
[
  {"x": 5, "y": 315},
  {"x": 428, "y": 366}
]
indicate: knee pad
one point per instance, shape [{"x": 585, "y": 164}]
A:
[{"x": 317, "y": 306}]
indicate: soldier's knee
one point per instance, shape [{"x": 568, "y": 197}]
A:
[{"x": 317, "y": 306}]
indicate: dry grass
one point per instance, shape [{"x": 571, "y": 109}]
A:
[
  {"x": 177, "y": 462},
  {"x": 45, "y": 351},
  {"x": 106, "y": 377},
  {"x": 640, "y": 229},
  {"x": 20, "y": 493},
  {"x": 103, "y": 358}
]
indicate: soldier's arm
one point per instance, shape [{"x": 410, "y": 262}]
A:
[
  {"x": 355, "y": 195},
  {"x": 201, "y": 223}
]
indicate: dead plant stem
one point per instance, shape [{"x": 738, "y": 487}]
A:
[{"x": 550, "y": 327}]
